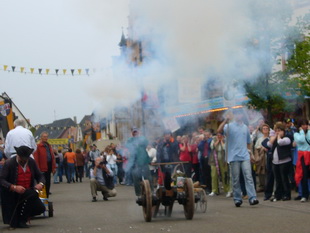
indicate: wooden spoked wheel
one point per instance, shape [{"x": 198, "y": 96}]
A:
[
  {"x": 147, "y": 200},
  {"x": 156, "y": 207},
  {"x": 203, "y": 201},
  {"x": 189, "y": 204}
]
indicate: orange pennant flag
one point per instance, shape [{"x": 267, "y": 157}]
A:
[
  {"x": 64, "y": 70},
  {"x": 5, "y": 67},
  {"x": 79, "y": 71},
  {"x": 47, "y": 70},
  {"x": 22, "y": 69},
  {"x": 31, "y": 70}
]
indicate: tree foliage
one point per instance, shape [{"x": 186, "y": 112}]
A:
[
  {"x": 271, "y": 91},
  {"x": 299, "y": 65}
]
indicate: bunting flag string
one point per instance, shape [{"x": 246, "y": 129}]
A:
[{"x": 46, "y": 71}]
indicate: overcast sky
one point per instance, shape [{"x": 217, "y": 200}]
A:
[
  {"x": 58, "y": 34},
  {"x": 84, "y": 34}
]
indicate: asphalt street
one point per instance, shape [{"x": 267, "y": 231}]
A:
[{"x": 75, "y": 213}]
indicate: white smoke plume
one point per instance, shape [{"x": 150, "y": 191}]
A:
[
  {"x": 190, "y": 42},
  {"x": 194, "y": 39}
]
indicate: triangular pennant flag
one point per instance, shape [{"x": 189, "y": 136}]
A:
[
  {"x": 87, "y": 70},
  {"x": 64, "y": 70},
  {"x": 22, "y": 69},
  {"x": 57, "y": 70},
  {"x": 5, "y": 67},
  {"x": 47, "y": 71},
  {"x": 40, "y": 71},
  {"x": 72, "y": 72},
  {"x": 31, "y": 70},
  {"x": 13, "y": 68},
  {"x": 79, "y": 71}
]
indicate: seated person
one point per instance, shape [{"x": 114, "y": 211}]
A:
[
  {"x": 101, "y": 179},
  {"x": 19, "y": 180}
]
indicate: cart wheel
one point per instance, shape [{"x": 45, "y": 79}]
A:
[
  {"x": 203, "y": 201},
  {"x": 147, "y": 200},
  {"x": 197, "y": 203},
  {"x": 156, "y": 207},
  {"x": 50, "y": 209},
  {"x": 190, "y": 201}
]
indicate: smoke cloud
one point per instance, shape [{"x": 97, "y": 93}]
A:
[{"x": 186, "y": 43}]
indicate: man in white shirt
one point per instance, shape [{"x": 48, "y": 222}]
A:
[{"x": 19, "y": 136}]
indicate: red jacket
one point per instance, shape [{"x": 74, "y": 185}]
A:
[
  {"x": 299, "y": 171},
  {"x": 40, "y": 157}
]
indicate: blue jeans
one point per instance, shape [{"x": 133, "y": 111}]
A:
[
  {"x": 60, "y": 171},
  {"x": 245, "y": 167},
  {"x": 71, "y": 172},
  {"x": 56, "y": 176}
]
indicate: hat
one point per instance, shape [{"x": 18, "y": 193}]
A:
[
  {"x": 167, "y": 131},
  {"x": 134, "y": 129},
  {"x": 288, "y": 120},
  {"x": 23, "y": 151}
]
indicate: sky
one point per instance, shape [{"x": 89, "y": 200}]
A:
[
  {"x": 187, "y": 44},
  {"x": 58, "y": 34}
]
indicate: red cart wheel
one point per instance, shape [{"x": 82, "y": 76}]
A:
[
  {"x": 189, "y": 205},
  {"x": 147, "y": 200}
]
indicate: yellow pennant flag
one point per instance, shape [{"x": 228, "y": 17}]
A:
[
  {"x": 5, "y": 67},
  {"x": 22, "y": 69},
  {"x": 47, "y": 71},
  {"x": 64, "y": 70},
  {"x": 79, "y": 71},
  {"x": 31, "y": 70}
]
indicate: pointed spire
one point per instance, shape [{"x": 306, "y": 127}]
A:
[{"x": 123, "y": 42}]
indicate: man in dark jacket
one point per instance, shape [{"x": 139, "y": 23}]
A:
[
  {"x": 167, "y": 151},
  {"x": 20, "y": 180}
]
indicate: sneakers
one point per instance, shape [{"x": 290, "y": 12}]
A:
[
  {"x": 254, "y": 201},
  {"x": 238, "y": 203},
  {"x": 229, "y": 194},
  {"x": 273, "y": 199},
  {"x": 94, "y": 199},
  {"x": 303, "y": 199},
  {"x": 212, "y": 194},
  {"x": 105, "y": 199},
  {"x": 297, "y": 198},
  {"x": 266, "y": 198}
]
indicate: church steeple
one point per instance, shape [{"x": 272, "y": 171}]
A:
[{"x": 123, "y": 42}]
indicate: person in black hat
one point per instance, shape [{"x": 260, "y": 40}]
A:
[{"x": 20, "y": 179}]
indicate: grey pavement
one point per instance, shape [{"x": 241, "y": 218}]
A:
[{"x": 75, "y": 213}]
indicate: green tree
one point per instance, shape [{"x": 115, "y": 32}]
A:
[
  {"x": 299, "y": 65},
  {"x": 269, "y": 90},
  {"x": 268, "y": 93}
]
